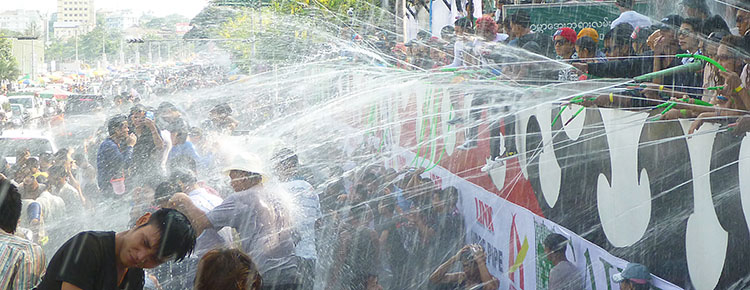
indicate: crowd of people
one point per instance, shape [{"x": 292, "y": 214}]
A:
[{"x": 635, "y": 45}]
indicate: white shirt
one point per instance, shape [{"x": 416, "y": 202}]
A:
[
  {"x": 458, "y": 54},
  {"x": 204, "y": 200},
  {"x": 306, "y": 215},
  {"x": 210, "y": 238},
  {"x": 633, "y": 18}
]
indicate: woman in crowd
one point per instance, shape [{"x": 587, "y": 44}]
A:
[{"x": 227, "y": 269}]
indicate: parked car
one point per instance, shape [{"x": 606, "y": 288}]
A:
[
  {"x": 33, "y": 104},
  {"x": 38, "y": 142}
]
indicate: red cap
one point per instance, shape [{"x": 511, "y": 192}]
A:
[{"x": 568, "y": 33}]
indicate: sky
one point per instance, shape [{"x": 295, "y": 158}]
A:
[{"x": 187, "y": 8}]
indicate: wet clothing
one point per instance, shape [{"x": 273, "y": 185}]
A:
[
  {"x": 265, "y": 226},
  {"x": 21, "y": 262},
  {"x": 87, "y": 261},
  {"x": 210, "y": 238},
  {"x": 111, "y": 162},
  {"x": 307, "y": 213},
  {"x": 146, "y": 161},
  {"x": 565, "y": 276}
]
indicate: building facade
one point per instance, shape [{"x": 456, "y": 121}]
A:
[
  {"x": 29, "y": 54},
  {"x": 121, "y": 19},
  {"x": 22, "y": 21},
  {"x": 74, "y": 17}
]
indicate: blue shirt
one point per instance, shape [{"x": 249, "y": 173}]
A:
[
  {"x": 186, "y": 149},
  {"x": 111, "y": 163}
]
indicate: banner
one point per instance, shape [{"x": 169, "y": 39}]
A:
[
  {"x": 547, "y": 18},
  {"x": 512, "y": 237}
]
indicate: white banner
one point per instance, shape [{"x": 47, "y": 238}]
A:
[{"x": 512, "y": 237}]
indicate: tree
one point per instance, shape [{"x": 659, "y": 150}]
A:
[
  {"x": 32, "y": 30},
  {"x": 8, "y": 65}
]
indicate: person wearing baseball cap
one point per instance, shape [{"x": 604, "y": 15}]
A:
[
  {"x": 627, "y": 15},
  {"x": 565, "y": 42},
  {"x": 634, "y": 277},
  {"x": 590, "y": 32}
]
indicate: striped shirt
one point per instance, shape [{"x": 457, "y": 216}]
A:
[{"x": 21, "y": 263}]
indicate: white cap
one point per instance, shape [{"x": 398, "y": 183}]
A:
[{"x": 246, "y": 162}]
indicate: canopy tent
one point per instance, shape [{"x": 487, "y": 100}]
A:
[{"x": 54, "y": 93}]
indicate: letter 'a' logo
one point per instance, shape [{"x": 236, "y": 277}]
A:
[{"x": 516, "y": 256}]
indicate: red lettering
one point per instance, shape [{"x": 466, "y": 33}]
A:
[{"x": 484, "y": 215}]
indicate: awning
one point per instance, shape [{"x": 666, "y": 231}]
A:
[{"x": 54, "y": 93}]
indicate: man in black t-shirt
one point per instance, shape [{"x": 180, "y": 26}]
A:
[{"x": 109, "y": 260}]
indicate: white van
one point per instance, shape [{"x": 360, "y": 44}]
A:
[{"x": 31, "y": 103}]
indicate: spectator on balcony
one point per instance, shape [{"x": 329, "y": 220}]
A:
[
  {"x": 696, "y": 9},
  {"x": 627, "y": 15}
]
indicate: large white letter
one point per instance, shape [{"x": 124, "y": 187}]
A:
[{"x": 624, "y": 203}]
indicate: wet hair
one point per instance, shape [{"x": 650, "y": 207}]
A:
[
  {"x": 165, "y": 107},
  {"x": 137, "y": 109},
  {"x": 642, "y": 34},
  {"x": 697, "y": 25},
  {"x": 185, "y": 176},
  {"x": 45, "y": 157},
  {"x": 285, "y": 156},
  {"x": 32, "y": 162},
  {"x": 465, "y": 24},
  {"x": 221, "y": 109},
  {"x": 586, "y": 43},
  {"x": 556, "y": 243},
  {"x": 229, "y": 269},
  {"x": 165, "y": 190},
  {"x": 115, "y": 122},
  {"x": 714, "y": 24},
  {"x": 62, "y": 154},
  {"x": 181, "y": 133},
  {"x": 10, "y": 206},
  {"x": 80, "y": 158},
  {"x": 57, "y": 171},
  {"x": 389, "y": 202},
  {"x": 620, "y": 34},
  {"x": 625, "y": 3},
  {"x": 183, "y": 161},
  {"x": 446, "y": 30},
  {"x": 449, "y": 193},
  {"x": 521, "y": 18},
  {"x": 735, "y": 44},
  {"x": 176, "y": 232}
]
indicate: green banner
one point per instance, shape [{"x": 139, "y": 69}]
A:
[{"x": 547, "y": 18}]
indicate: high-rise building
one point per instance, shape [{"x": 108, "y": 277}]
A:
[{"x": 74, "y": 17}]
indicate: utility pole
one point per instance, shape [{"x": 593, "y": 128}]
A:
[
  {"x": 104, "y": 50},
  {"x": 76, "y": 36},
  {"x": 122, "y": 53}
]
